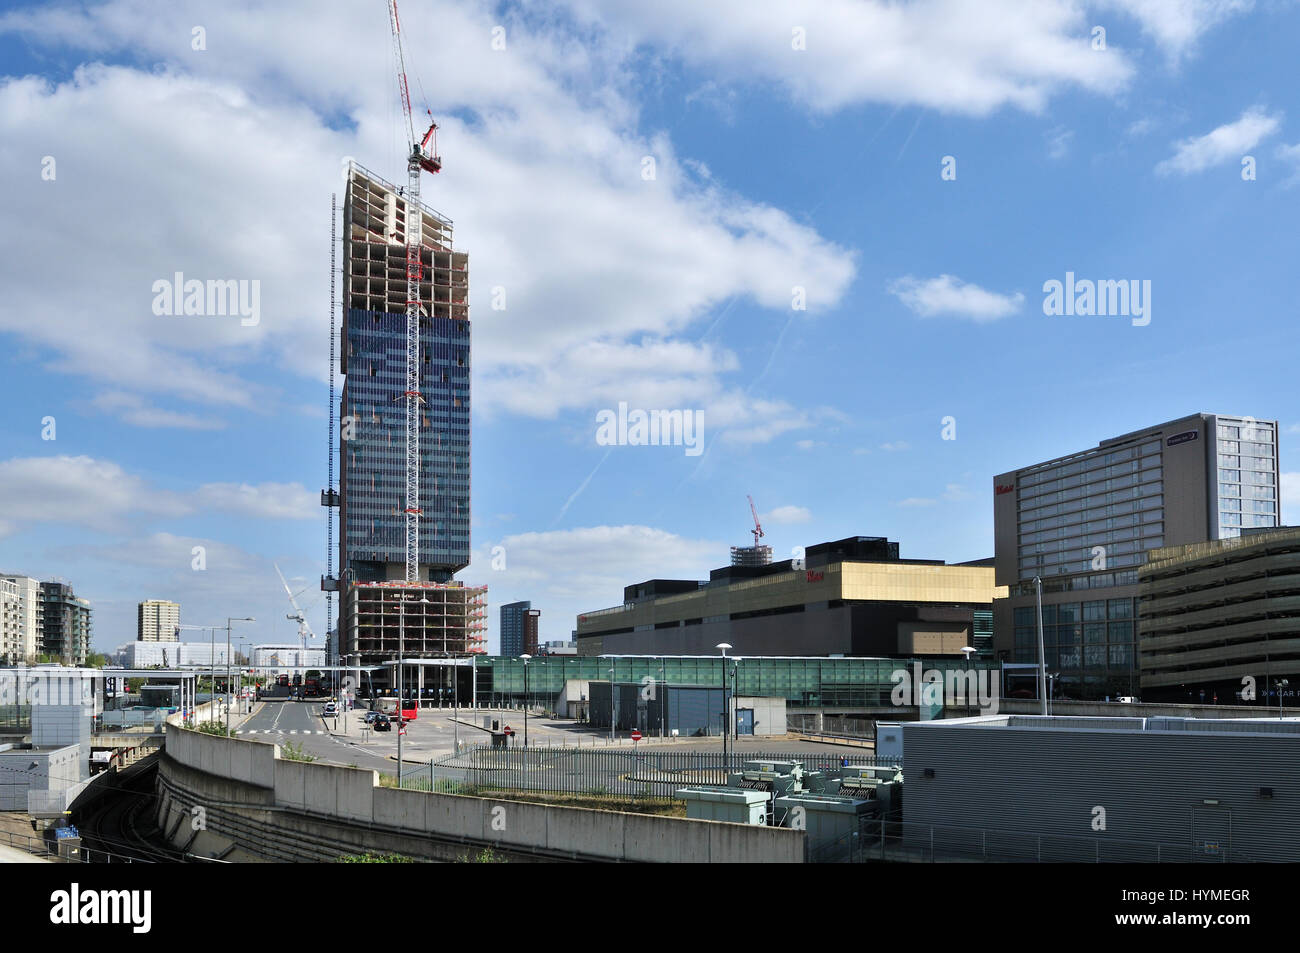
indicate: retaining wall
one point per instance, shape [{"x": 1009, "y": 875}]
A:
[{"x": 262, "y": 805}]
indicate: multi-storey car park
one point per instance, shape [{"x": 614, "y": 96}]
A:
[{"x": 1219, "y": 621}]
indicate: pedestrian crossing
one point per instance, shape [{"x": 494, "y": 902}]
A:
[{"x": 278, "y": 731}]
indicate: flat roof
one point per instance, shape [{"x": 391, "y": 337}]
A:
[{"x": 1107, "y": 723}]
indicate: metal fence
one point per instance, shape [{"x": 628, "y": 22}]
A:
[
  {"x": 900, "y": 842},
  {"x": 630, "y": 774},
  {"x": 72, "y": 854}
]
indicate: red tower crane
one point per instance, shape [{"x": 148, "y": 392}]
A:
[
  {"x": 758, "y": 527},
  {"x": 418, "y": 160}
]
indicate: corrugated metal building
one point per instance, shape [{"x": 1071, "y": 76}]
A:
[{"x": 1110, "y": 789}]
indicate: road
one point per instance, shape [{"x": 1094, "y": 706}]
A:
[{"x": 433, "y": 734}]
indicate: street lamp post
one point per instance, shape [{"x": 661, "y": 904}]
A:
[
  {"x": 1283, "y": 683},
  {"x": 663, "y": 699},
  {"x": 726, "y": 727},
  {"x": 611, "y": 705},
  {"x": 228, "y": 624},
  {"x": 1042, "y": 655},
  {"x": 525, "y": 657},
  {"x": 401, "y": 649}
]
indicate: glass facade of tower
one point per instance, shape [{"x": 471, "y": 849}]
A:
[
  {"x": 512, "y": 628},
  {"x": 1247, "y": 477},
  {"x": 374, "y": 459},
  {"x": 372, "y": 484}
]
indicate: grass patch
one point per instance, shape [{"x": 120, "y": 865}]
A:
[
  {"x": 291, "y": 752},
  {"x": 485, "y": 856},
  {"x": 375, "y": 859},
  {"x": 597, "y": 798}
]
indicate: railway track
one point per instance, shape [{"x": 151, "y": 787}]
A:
[{"x": 117, "y": 822}]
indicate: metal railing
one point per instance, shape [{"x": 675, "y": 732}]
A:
[
  {"x": 897, "y": 841},
  {"x": 49, "y": 849},
  {"x": 628, "y": 774}
]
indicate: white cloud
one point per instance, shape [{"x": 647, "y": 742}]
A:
[
  {"x": 134, "y": 410},
  {"x": 1058, "y": 142},
  {"x": 948, "y": 295},
  {"x": 115, "y": 576},
  {"x": 788, "y": 515},
  {"x": 1139, "y": 127},
  {"x": 1290, "y": 497},
  {"x": 956, "y": 493},
  {"x": 993, "y": 54},
  {"x": 1227, "y": 143},
  {"x": 237, "y": 164},
  {"x": 563, "y": 571},
  {"x": 1177, "y": 25},
  {"x": 80, "y": 491},
  {"x": 952, "y": 493},
  {"x": 264, "y": 500},
  {"x": 1290, "y": 155},
  {"x": 101, "y": 495},
  {"x": 895, "y": 446}
]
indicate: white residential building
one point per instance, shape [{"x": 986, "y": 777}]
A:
[
  {"x": 24, "y": 614},
  {"x": 158, "y": 621}
]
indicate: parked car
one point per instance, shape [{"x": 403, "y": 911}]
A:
[
  {"x": 330, "y": 710},
  {"x": 381, "y": 723}
]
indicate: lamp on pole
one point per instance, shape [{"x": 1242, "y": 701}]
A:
[
  {"x": 611, "y": 705},
  {"x": 230, "y": 620},
  {"x": 525, "y": 657},
  {"x": 726, "y": 727},
  {"x": 401, "y": 647},
  {"x": 1281, "y": 684},
  {"x": 663, "y": 699},
  {"x": 1042, "y": 655}
]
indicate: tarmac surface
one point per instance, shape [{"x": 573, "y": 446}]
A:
[{"x": 435, "y": 732}]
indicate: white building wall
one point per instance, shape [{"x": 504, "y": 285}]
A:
[{"x": 30, "y": 609}]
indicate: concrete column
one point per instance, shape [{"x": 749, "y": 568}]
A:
[{"x": 420, "y": 702}]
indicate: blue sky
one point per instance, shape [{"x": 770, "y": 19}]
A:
[{"x": 776, "y": 168}]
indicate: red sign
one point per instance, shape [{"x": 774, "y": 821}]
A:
[
  {"x": 815, "y": 576},
  {"x": 636, "y": 735},
  {"x": 507, "y": 730},
  {"x": 1000, "y": 488}
]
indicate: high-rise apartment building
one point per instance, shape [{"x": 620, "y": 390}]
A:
[
  {"x": 66, "y": 627},
  {"x": 11, "y": 645},
  {"x": 438, "y": 615},
  {"x": 158, "y": 621},
  {"x": 512, "y": 627},
  {"x": 1084, "y": 523},
  {"x": 532, "y": 618},
  {"x": 26, "y": 607}
]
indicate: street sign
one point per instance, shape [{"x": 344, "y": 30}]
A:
[
  {"x": 636, "y": 735},
  {"x": 507, "y": 730}
]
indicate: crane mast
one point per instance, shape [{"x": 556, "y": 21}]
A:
[
  {"x": 758, "y": 527},
  {"x": 418, "y": 160}
]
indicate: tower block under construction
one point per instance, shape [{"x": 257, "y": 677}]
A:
[{"x": 442, "y": 617}]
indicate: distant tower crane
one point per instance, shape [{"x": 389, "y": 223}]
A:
[
  {"x": 758, "y": 527},
  {"x": 758, "y": 554},
  {"x": 419, "y": 159},
  {"x": 304, "y": 629}
]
